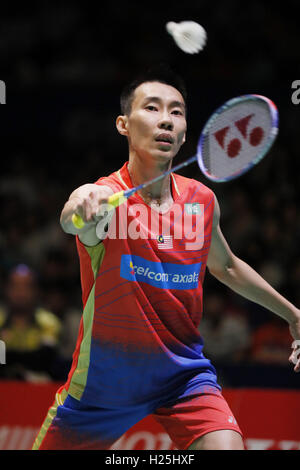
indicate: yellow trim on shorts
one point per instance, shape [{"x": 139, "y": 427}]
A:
[{"x": 59, "y": 401}]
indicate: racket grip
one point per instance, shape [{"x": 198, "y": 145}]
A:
[
  {"x": 77, "y": 221},
  {"x": 117, "y": 199}
]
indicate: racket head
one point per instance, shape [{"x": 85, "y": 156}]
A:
[{"x": 237, "y": 136}]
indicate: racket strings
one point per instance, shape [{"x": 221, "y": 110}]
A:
[{"x": 236, "y": 137}]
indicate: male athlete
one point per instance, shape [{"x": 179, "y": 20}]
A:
[{"x": 139, "y": 350}]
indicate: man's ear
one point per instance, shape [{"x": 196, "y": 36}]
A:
[{"x": 122, "y": 124}]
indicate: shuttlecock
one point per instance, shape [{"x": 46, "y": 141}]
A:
[{"x": 189, "y": 36}]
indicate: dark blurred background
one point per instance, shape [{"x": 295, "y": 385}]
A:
[{"x": 64, "y": 65}]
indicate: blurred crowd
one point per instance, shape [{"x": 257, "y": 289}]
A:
[{"x": 64, "y": 66}]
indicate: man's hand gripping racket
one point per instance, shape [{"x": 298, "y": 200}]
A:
[
  {"x": 112, "y": 201},
  {"x": 235, "y": 138}
]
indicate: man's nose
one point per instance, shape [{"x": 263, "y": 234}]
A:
[{"x": 166, "y": 122}]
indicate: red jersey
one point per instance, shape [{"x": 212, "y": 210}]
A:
[{"x": 139, "y": 340}]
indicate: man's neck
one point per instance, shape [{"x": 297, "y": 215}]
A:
[{"x": 140, "y": 172}]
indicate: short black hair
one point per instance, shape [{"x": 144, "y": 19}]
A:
[{"x": 161, "y": 73}]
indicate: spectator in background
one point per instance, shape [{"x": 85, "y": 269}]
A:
[
  {"x": 60, "y": 295},
  {"x": 225, "y": 328},
  {"x": 30, "y": 332},
  {"x": 57, "y": 298},
  {"x": 271, "y": 342},
  {"x": 57, "y": 267}
]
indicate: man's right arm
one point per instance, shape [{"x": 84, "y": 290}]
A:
[{"x": 85, "y": 201}]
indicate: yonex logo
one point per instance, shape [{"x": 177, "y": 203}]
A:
[
  {"x": 232, "y": 420},
  {"x": 161, "y": 275},
  {"x": 254, "y": 137}
]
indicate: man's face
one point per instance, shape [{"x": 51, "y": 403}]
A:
[
  {"x": 157, "y": 124},
  {"x": 21, "y": 290}
]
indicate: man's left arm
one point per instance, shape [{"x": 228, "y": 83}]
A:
[{"x": 240, "y": 277}]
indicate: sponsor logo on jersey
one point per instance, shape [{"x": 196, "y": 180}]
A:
[{"x": 161, "y": 275}]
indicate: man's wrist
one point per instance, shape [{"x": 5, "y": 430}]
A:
[
  {"x": 292, "y": 315},
  {"x": 295, "y": 316}
]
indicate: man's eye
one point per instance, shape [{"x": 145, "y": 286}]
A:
[
  {"x": 177, "y": 112},
  {"x": 151, "y": 108}
]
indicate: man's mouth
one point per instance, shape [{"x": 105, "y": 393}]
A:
[{"x": 165, "y": 138}]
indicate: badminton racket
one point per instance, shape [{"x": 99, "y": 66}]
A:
[{"x": 235, "y": 138}]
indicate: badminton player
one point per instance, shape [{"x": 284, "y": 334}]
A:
[{"x": 139, "y": 348}]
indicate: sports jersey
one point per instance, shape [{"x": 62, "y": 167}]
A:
[{"x": 139, "y": 339}]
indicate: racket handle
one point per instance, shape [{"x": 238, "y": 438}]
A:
[
  {"x": 117, "y": 199},
  {"x": 114, "y": 200},
  {"x": 77, "y": 221}
]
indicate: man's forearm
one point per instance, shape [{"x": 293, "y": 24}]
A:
[{"x": 244, "y": 280}]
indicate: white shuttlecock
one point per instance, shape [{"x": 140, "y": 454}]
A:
[{"x": 189, "y": 36}]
